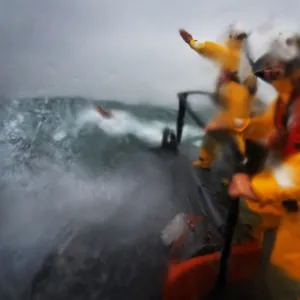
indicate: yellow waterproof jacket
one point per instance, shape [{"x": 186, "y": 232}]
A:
[
  {"x": 259, "y": 128},
  {"x": 228, "y": 59},
  {"x": 235, "y": 98},
  {"x": 278, "y": 191}
]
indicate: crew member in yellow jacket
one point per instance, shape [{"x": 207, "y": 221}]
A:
[
  {"x": 274, "y": 193},
  {"x": 235, "y": 93}
]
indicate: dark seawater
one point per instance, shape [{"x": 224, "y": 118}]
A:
[{"x": 63, "y": 165}]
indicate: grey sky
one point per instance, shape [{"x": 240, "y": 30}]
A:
[{"x": 126, "y": 49}]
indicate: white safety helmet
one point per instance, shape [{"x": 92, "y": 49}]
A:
[
  {"x": 237, "y": 31},
  {"x": 286, "y": 46},
  {"x": 275, "y": 50}
]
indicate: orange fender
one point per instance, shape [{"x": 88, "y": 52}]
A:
[{"x": 196, "y": 277}]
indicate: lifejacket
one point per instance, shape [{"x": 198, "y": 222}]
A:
[
  {"x": 227, "y": 76},
  {"x": 286, "y": 136}
]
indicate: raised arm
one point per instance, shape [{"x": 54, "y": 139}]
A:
[{"x": 208, "y": 49}]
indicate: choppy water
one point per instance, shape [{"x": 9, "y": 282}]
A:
[{"x": 60, "y": 165}]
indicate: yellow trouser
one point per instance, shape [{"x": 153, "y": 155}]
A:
[
  {"x": 273, "y": 188},
  {"x": 281, "y": 287},
  {"x": 207, "y": 151},
  {"x": 209, "y": 148}
]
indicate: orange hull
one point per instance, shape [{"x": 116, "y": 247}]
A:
[{"x": 196, "y": 277}]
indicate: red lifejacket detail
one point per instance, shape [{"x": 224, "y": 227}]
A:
[
  {"x": 226, "y": 77},
  {"x": 286, "y": 135}
]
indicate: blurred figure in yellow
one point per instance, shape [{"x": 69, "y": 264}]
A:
[
  {"x": 274, "y": 193},
  {"x": 235, "y": 93}
]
